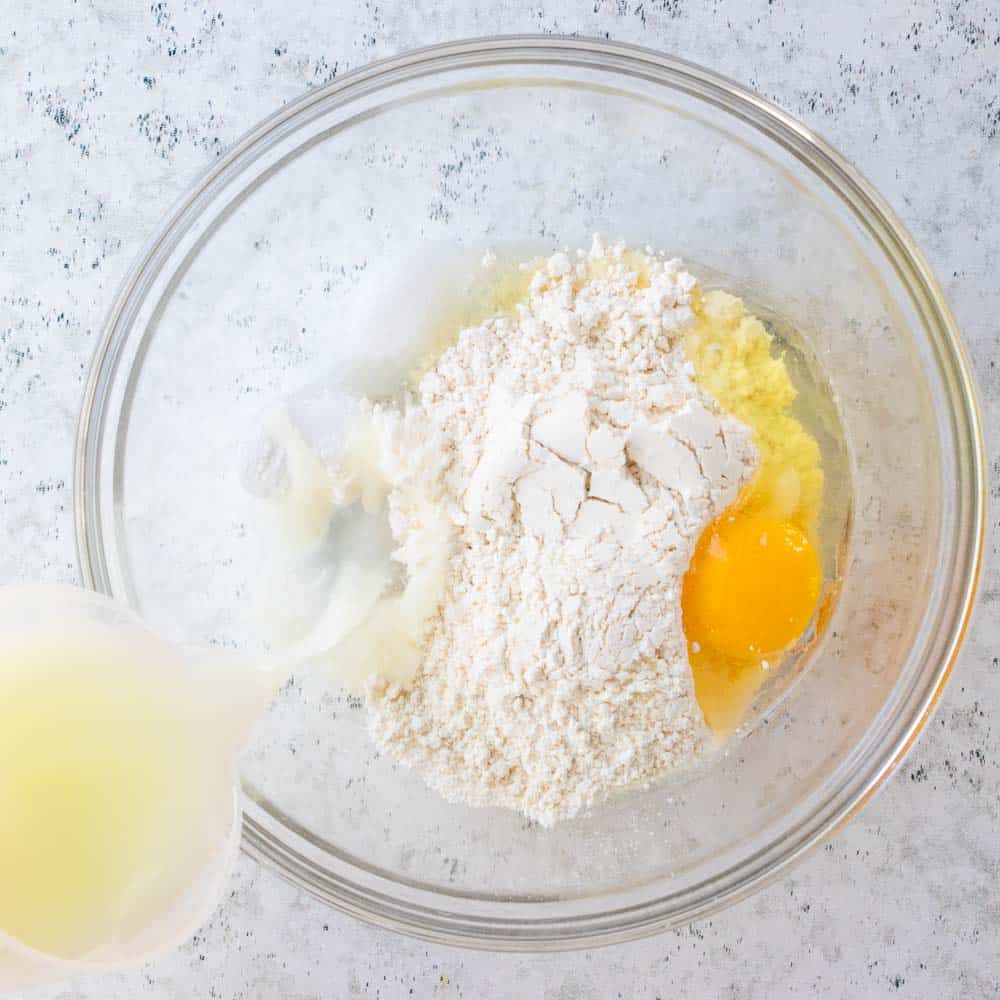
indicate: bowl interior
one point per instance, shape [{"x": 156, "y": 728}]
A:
[{"x": 246, "y": 298}]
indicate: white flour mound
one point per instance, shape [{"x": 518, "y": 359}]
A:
[{"x": 576, "y": 463}]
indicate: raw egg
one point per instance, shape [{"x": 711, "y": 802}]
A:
[
  {"x": 752, "y": 586},
  {"x": 754, "y": 580}
]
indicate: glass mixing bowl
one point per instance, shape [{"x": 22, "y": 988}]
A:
[{"x": 240, "y": 296}]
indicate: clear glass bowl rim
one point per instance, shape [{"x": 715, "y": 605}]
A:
[{"x": 373, "y": 895}]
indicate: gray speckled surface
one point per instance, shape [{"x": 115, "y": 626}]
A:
[{"x": 110, "y": 108}]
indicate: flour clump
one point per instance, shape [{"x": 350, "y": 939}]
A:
[{"x": 554, "y": 469}]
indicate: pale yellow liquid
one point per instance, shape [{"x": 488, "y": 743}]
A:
[{"x": 106, "y": 800}]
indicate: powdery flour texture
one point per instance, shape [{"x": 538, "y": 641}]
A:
[{"x": 576, "y": 462}]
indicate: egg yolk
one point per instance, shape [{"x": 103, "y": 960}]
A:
[{"x": 751, "y": 588}]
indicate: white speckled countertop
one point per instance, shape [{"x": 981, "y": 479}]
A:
[{"x": 109, "y": 108}]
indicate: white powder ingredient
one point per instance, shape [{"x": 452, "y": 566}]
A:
[{"x": 546, "y": 488}]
